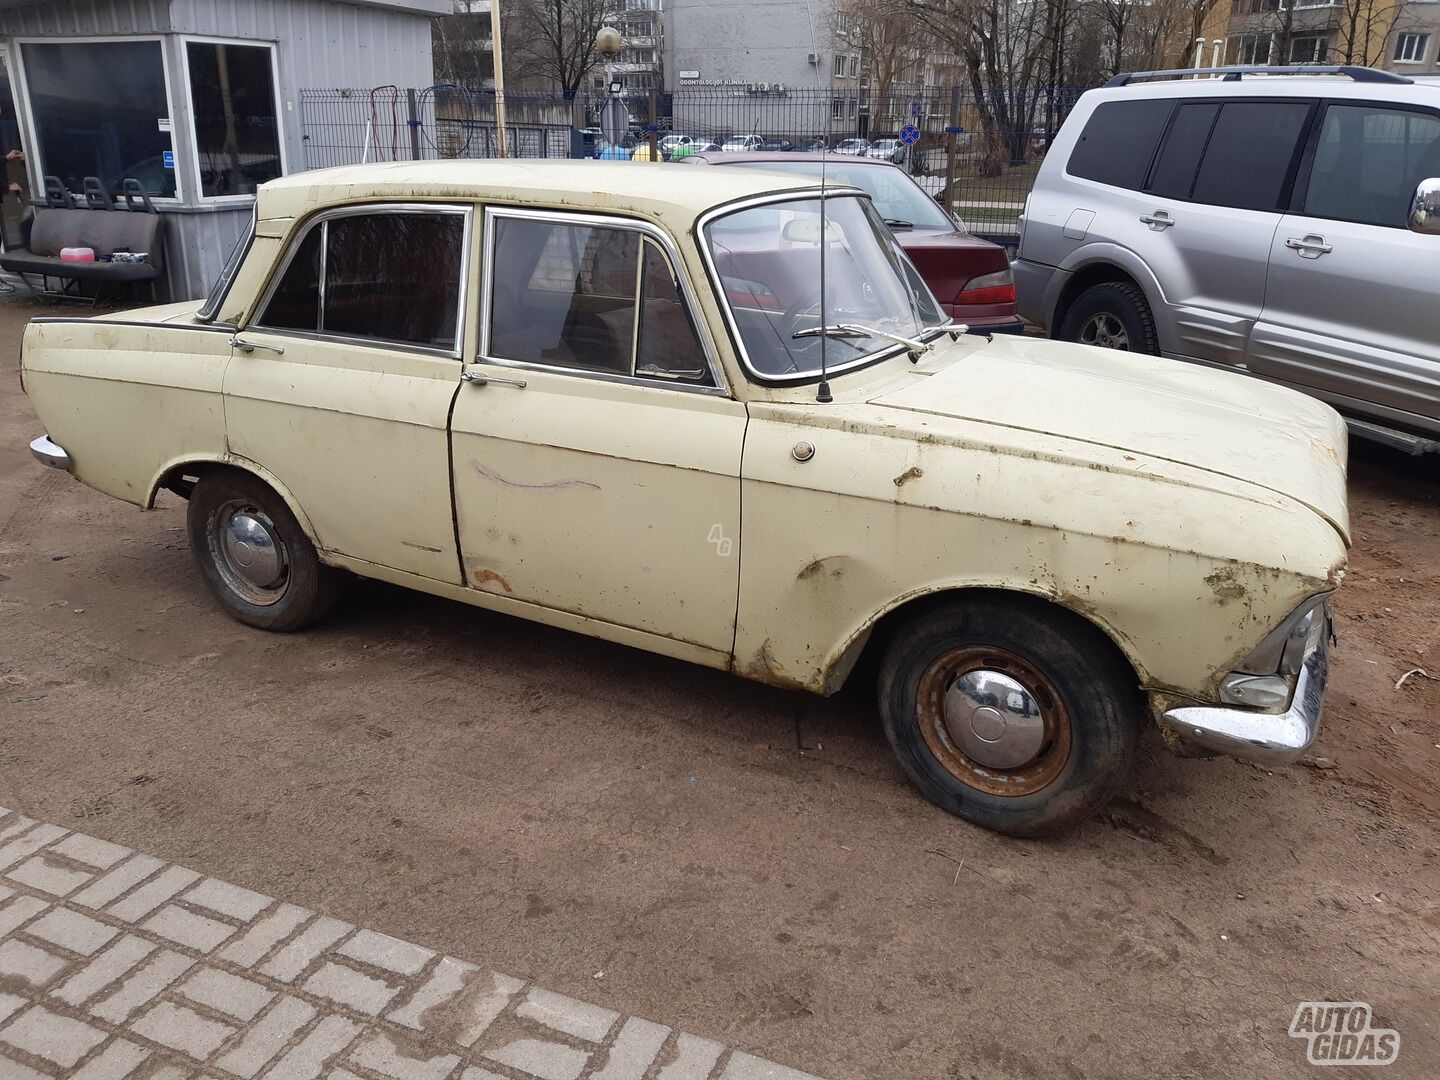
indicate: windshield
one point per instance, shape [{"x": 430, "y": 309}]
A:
[
  {"x": 768, "y": 261},
  {"x": 899, "y": 199}
]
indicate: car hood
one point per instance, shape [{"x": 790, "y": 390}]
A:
[{"x": 1159, "y": 410}]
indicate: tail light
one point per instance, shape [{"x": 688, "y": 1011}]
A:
[{"x": 996, "y": 288}]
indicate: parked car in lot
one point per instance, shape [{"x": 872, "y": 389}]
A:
[
  {"x": 674, "y": 141},
  {"x": 522, "y": 387},
  {"x": 1279, "y": 224},
  {"x": 969, "y": 276},
  {"x": 891, "y": 150},
  {"x": 775, "y": 144},
  {"x": 853, "y": 147},
  {"x": 741, "y": 143}
]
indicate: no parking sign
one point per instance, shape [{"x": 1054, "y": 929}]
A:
[{"x": 909, "y": 135}]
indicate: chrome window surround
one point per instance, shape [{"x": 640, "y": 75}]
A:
[
  {"x": 221, "y": 289},
  {"x": 586, "y": 220},
  {"x": 364, "y": 209},
  {"x": 884, "y": 352},
  {"x": 208, "y": 328}
]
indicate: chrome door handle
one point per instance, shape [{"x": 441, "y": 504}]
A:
[
  {"x": 251, "y": 346},
  {"x": 1160, "y": 219},
  {"x": 1309, "y": 247},
  {"x": 481, "y": 378}
]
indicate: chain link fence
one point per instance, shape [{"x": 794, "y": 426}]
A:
[{"x": 976, "y": 151}]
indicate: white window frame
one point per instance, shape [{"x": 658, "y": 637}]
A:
[
  {"x": 1421, "y": 52},
  {"x": 185, "y": 39},
  {"x": 838, "y": 72},
  {"x": 1322, "y": 41},
  {"x": 21, "y": 90}
]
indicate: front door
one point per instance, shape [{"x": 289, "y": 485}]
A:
[
  {"x": 596, "y": 454},
  {"x": 1350, "y": 300}
]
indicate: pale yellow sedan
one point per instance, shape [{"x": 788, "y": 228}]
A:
[{"x": 719, "y": 416}]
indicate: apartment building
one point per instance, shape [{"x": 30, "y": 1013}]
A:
[{"x": 1397, "y": 35}]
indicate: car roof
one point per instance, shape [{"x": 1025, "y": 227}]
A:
[
  {"x": 1422, "y": 91},
  {"x": 786, "y": 155},
  {"x": 648, "y": 188}
]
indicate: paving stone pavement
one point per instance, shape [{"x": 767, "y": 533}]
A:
[{"x": 115, "y": 965}]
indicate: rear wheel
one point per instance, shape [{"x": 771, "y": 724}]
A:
[
  {"x": 255, "y": 557},
  {"x": 1112, "y": 315},
  {"x": 1010, "y": 714}
]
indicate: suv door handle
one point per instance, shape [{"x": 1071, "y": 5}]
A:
[
  {"x": 1309, "y": 247},
  {"x": 1159, "y": 220}
]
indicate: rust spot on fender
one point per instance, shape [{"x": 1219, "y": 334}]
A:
[
  {"x": 479, "y": 578},
  {"x": 816, "y": 567},
  {"x": 1226, "y": 585},
  {"x": 912, "y": 473}
]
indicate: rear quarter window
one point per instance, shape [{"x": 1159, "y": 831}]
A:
[{"x": 1119, "y": 142}]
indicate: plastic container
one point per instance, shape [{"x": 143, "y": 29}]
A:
[{"x": 77, "y": 254}]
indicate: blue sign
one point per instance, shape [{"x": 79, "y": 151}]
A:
[
  {"x": 909, "y": 134},
  {"x": 168, "y": 159}
]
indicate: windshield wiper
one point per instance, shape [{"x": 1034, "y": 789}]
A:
[
  {"x": 899, "y": 223},
  {"x": 843, "y": 330}
]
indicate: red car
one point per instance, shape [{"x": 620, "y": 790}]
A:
[{"x": 969, "y": 276}]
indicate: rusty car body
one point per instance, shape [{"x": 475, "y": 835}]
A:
[{"x": 1040, "y": 544}]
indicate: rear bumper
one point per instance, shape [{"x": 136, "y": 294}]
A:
[
  {"x": 1036, "y": 286},
  {"x": 1265, "y": 738},
  {"x": 50, "y": 453}
]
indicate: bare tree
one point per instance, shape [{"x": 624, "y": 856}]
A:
[
  {"x": 556, "y": 40},
  {"x": 887, "y": 40},
  {"x": 1364, "y": 30}
]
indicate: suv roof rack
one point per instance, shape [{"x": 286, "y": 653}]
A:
[{"x": 1233, "y": 74}]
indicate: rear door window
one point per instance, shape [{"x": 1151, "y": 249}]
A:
[
  {"x": 1368, "y": 162},
  {"x": 1119, "y": 142},
  {"x": 1251, "y": 154},
  {"x": 1179, "y": 160}
]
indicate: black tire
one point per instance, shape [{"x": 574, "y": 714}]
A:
[
  {"x": 1121, "y": 302},
  {"x": 301, "y": 590},
  {"x": 1086, "y": 696}
]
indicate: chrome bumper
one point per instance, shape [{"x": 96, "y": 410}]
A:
[
  {"x": 1265, "y": 738},
  {"x": 49, "y": 453}
]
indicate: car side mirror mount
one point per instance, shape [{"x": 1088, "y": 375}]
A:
[{"x": 1425, "y": 209}]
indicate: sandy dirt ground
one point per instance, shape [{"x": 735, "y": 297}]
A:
[{"x": 742, "y": 862}]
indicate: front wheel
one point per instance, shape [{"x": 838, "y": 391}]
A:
[
  {"x": 255, "y": 557},
  {"x": 1010, "y": 714},
  {"x": 1112, "y": 315}
]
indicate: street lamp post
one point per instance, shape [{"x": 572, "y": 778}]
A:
[{"x": 497, "y": 53}]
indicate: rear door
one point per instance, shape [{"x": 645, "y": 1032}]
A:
[
  {"x": 1207, "y": 214},
  {"x": 1350, "y": 298}
]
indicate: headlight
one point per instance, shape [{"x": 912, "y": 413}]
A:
[{"x": 1266, "y": 678}]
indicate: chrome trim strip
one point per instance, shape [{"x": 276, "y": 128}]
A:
[
  {"x": 49, "y": 453},
  {"x": 587, "y": 220},
  {"x": 1265, "y": 738},
  {"x": 723, "y": 301},
  {"x": 277, "y": 275},
  {"x": 208, "y": 328},
  {"x": 220, "y": 291}
]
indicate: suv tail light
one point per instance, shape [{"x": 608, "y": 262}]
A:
[{"x": 996, "y": 288}]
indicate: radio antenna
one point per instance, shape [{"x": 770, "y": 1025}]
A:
[{"x": 822, "y": 392}]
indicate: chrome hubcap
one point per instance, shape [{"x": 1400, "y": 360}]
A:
[
  {"x": 1106, "y": 331},
  {"x": 993, "y": 719},
  {"x": 249, "y": 553}
]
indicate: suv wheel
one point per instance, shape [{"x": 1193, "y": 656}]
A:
[{"x": 1113, "y": 315}]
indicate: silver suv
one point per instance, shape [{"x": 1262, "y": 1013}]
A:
[{"x": 1285, "y": 227}]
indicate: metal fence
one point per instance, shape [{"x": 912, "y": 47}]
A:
[{"x": 976, "y": 150}]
